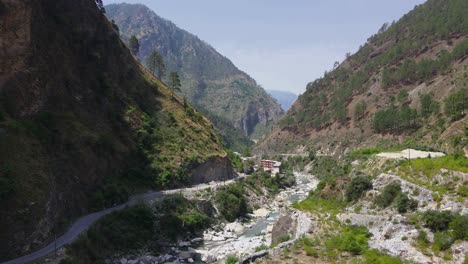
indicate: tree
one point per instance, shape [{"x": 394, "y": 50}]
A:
[
  {"x": 357, "y": 187},
  {"x": 155, "y": 64},
  {"x": 174, "y": 82},
  {"x": 456, "y": 104},
  {"x": 336, "y": 64},
  {"x": 428, "y": 106},
  {"x": 134, "y": 45},
  {"x": 360, "y": 109}
]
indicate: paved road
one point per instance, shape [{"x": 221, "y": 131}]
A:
[{"x": 83, "y": 223}]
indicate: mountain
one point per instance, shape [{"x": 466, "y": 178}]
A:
[
  {"x": 407, "y": 85},
  {"x": 83, "y": 125},
  {"x": 210, "y": 81},
  {"x": 285, "y": 98}
]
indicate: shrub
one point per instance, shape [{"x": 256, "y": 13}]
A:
[
  {"x": 436, "y": 220},
  {"x": 231, "y": 260},
  {"x": 443, "y": 240},
  {"x": 374, "y": 257},
  {"x": 124, "y": 231},
  {"x": 261, "y": 247},
  {"x": 357, "y": 187},
  {"x": 459, "y": 227},
  {"x": 310, "y": 251},
  {"x": 404, "y": 203},
  {"x": 180, "y": 216},
  {"x": 353, "y": 239},
  {"x": 232, "y": 202},
  {"x": 388, "y": 195}
]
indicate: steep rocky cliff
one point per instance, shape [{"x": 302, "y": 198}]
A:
[
  {"x": 82, "y": 124},
  {"x": 209, "y": 80}
]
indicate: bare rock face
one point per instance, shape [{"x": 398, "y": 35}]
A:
[
  {"x": 214, "y": 169},
  {"x": 283, "y": 230}
]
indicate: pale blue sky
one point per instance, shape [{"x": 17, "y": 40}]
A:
[{"x": 282, "y": 44}]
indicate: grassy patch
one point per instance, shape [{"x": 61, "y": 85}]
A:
[
  {"x": 320, "y": 205},
  {"x": 375, "y": 257},
  {"x": 429, "y": 167}
]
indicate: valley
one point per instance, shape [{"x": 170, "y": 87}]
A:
[{"x": 125, "y": 139}]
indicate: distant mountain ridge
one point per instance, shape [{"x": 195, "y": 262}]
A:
[
  {"x": 209, "y": 79},
  {"x": 285, "y": 98}
]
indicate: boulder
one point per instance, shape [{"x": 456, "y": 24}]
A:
[{"x": 282, "y": 229}]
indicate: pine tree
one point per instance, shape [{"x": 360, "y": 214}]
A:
[
  {"x": 134, "y": 45},
  {"x": 156, "y": 65},
  {"x": 174, "y": 82}
]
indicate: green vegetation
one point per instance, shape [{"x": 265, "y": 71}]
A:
[
  {"x": 392, "y": 193},
  {"x": 459, "y": 226},
  {"x": 353, "y": 239},
  {"x": 174, "y": 82},
  {"x": 314, "y": 203},
  {"x": 366, "y": 152},
  {"x": 273, "y": 184},
  {"x": 209, "y": 80},
  {"x": 388, "y": 195},
  {"x": 137, "y": 227},
  {"x": 428, "y": 105},
  {"x": 395, "y": 120},
  {"x": 391, "y": 54},
  {"x": 134, "y": 45},
  {"x": 328, "y": 168},
  {"x": 456, "y": 104},
  {"x": 156, "y": 64},
  {"x": 232, "y": 201},
  {"x": 442, "y": 240},
  {"x": 231, "y": 260},
  {"x": 124, "y": 231},
  {"x": 357, "y": 187},
  {"x": 432, "y": 166},
  {"x": 374, "y": 257},
  {"x": 261, "y": 247},
  {"x": 437, "y": 220},
  {"x": 413, "y": 72},
  {"x": 177, "y": 216},
  {"x": 404, "y": 203},
  {"x": 360, "y": 109}
]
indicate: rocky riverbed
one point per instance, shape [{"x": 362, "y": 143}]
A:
[{"x": 244, "y": 236}]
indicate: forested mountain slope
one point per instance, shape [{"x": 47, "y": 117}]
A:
[
  {"x": 210, "y": 81},
  {"x": 406, "y": 85},
  {"x": 82, "y": 124}
]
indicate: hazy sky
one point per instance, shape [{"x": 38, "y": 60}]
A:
[{"x": 282, "y": 44}]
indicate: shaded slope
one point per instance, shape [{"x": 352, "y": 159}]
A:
[
  {"x": 380, "y": 94},
  {"x": 82, "y": 124},
  {"x": 209, "y": 80}
]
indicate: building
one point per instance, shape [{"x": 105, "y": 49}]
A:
[{"x": 272, "y": 166}]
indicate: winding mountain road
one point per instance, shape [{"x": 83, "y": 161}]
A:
[{"x": 83, "y": 223}]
